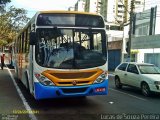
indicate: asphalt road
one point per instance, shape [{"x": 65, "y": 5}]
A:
[{"x": 127, "y": 103}]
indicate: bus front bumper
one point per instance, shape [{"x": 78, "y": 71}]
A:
[{"x": 44, "y": 92}]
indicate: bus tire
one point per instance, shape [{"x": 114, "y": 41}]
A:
[
  {"x": 27, "y": 82},
  {"x": 17, "y": 78}
]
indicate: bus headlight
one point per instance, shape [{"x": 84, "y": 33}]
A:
[
  {"x": 44, "y": 80},
  {"x": 101, "y": 78}
]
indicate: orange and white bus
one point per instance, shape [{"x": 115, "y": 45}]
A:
[{"x": 63, "y": 54}]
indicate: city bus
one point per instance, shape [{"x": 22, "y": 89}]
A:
[{"x": 63, "y": 54}]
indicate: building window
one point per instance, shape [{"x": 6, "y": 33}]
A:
[
  {"x": 137, "y": 2},
  {"x": 107, "y": 27},
  {"x": 114, "y": 27},
  {"x": 120, "y": 11},
  {"x": 120, "y": 6},
  {"x": 152, "y": 58}
]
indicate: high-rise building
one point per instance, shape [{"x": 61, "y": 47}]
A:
[
  {"x": 71, "y": 9},
  {"x": 123, "y": 7},
  {"x": 80, "y": 5},
  {"x": 107, "y": 10},
  {"x": 119, "y": 10},
  {"x": 93, "y": 6}
]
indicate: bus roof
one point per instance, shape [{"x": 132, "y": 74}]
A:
[{"x": 67, "y": 12}]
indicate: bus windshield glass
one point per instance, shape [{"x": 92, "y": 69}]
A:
[
  {"x": 70, "y": 20},
  {"x": 70, "y": 48}
]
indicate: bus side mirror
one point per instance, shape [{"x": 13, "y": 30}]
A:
[{"x": 32, "y": 38}]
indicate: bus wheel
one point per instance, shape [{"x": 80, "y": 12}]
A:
[
  {"x": 17, "y": 78},
  {"x": 27, "y": 82},
  {"x": 82, "y": 97}
]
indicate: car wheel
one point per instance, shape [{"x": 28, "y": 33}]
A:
[
  {"x": 118, "y": 83},
  {"x": 145, "y": 89}
]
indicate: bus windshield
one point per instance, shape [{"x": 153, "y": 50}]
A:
[{"x": 70, "y": 48}]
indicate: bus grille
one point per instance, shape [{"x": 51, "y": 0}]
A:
[
  {"x": 73, "y": 75},
  {"x": 74, "y": 90},
  {"x": 71, "y": 83}
]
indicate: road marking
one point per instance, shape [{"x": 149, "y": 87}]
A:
[
  {"x": 128, "y": 94},
  {"x": 26, "y": 105},
  {"x": 111, "y": 102}
]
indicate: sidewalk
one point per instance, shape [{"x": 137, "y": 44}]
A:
[{"x": 9, "y": 98}]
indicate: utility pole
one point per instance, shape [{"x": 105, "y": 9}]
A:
[{"x": 130, "y": 29}]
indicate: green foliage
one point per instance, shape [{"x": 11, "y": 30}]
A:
[
  {"x": 4, "y": 1},
  {"x": 11, "y": 21},
  {"x": 3, "y": 43}
]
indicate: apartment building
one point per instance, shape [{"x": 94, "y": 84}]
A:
[
  {"x": 71, "y": 8},
  {"x": 107, "y": 10},
  {"x": 93, "y": 6},
  {"x": 80, "y": 5},
  {"x": 122, "y": 9}
]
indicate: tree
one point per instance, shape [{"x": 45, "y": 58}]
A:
[
  {"x": 4, "y": 1},
  {"x": 11, "y": 21}
]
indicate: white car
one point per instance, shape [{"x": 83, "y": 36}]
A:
[{"x": 142, "y": 75}]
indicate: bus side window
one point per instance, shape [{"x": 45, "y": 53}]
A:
[
  {"x": 19, "y": 44},
  {"x": 27, "y": 40},
  {"x": 22, "y": 40}
]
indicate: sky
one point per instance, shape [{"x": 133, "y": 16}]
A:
[{"x": 35, "y": 5}]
